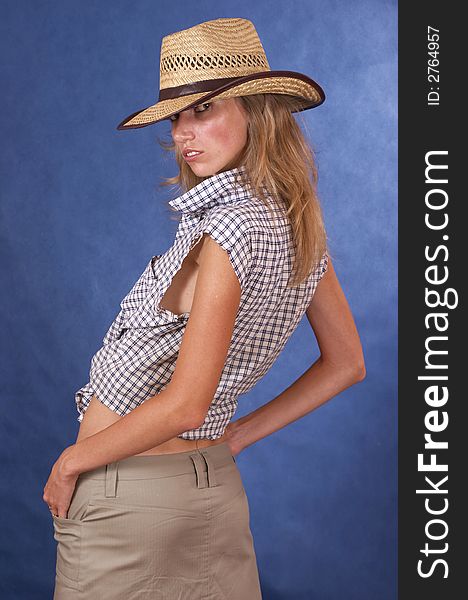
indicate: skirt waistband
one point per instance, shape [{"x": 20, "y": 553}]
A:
[{"x": 153, "y": 466}]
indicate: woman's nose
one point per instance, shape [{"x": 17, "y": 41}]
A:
[
  {"x": 182, "y": 130},
  {"x": 182, "y": 136}
]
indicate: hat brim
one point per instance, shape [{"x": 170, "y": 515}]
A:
[{"x": 308, "y": 92}]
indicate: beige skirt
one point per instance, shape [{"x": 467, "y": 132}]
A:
[{"x": 158, "y": 527}]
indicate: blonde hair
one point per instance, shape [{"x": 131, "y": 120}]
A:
[{"x": 277, "y": 157}]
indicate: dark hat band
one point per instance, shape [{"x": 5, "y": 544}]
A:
[
  {"x": 194, "y": 88},
  {"x": 210, "y": 85}
]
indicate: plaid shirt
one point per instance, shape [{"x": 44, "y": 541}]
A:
[{"x": 140, "y": 348}]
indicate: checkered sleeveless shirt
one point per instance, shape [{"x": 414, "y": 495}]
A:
[{"x": 140, "y": 349}]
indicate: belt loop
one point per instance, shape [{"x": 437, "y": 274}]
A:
[
  {"x": 111, "y": 480},
  {"x": 198, "y": 469},
  {"x": 210, "y": 469}
]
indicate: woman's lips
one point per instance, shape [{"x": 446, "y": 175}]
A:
[{"x": 192, "y": 157}]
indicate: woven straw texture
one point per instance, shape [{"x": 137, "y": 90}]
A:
[{"x": 211, "y": 50}]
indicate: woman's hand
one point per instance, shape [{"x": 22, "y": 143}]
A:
[
  {"x": 60, "y": 486},
  {"x": 234, "y": 440}
]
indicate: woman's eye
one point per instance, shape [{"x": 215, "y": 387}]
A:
[
  {"x": 204, "y": 108},
  {"x": 206, "y": 104}
]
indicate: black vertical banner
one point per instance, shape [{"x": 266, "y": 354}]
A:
[{"x": 432, "y": 350}]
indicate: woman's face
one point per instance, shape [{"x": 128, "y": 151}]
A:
[{"x": 217, "y": 129}]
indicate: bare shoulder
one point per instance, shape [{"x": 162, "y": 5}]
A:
[
  {"x": 195, "y": 251},
  {"x": 206, "y": 245},
  {"x": 328, "y": 294}
]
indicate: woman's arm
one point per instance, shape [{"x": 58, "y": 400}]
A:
[
  {"x": 202, "y": 355},
  {"x": 340, "y": 365}
]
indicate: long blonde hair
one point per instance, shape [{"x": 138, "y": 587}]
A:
[{"x": 277, "y": 157}]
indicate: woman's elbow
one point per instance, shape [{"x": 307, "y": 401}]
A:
[
  {"x": 357, "y": 366},
  {"x": 360, "y": 371},
  {"x": 352, "y": 368},
  {"x": 192, "y": 415}
]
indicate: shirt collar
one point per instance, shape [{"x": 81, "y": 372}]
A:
[{"x": 218, "y": 189}]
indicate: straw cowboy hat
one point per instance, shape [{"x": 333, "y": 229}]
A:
[{"x": 223, "y": 58}]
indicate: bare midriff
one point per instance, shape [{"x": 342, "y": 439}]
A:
[
  {"x": 177, "y": 299},
  {"x": 98, "y": 416}
]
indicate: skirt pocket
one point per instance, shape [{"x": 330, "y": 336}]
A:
[{"x": 67, "y": 533}]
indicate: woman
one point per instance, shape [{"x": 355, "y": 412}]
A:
[{"x": 149, "y": 503}]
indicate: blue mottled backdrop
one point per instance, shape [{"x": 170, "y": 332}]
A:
[{"x": 81, "y": 212}]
